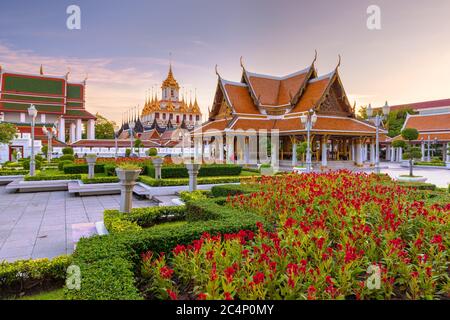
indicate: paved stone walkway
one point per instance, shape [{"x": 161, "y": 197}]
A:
[{"x": 36, "y": 225}]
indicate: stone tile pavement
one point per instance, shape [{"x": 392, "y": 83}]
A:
[{"x": 37, "y": 225}]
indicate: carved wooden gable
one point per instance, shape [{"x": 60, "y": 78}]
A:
[{"x": 335, "y": 100}]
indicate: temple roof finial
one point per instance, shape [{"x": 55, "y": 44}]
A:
[
  {"x": 242, "y": 63},
  {"x": 315, "y": 56},
  {"x": 339, "y": 61},
  {"x": 41, "y": 70}
]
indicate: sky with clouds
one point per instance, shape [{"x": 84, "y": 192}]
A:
[{"x": 124, "y": 47}]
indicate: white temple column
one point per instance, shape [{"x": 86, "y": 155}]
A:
[
  {"x": 444, "y": 152},
  {"x": 358, "y": 153},
  {"x": 422, "y": 149},
  {"x": 90, "y": 129},
  {"x": 79, "y": 129},
  {"x": 230, "y": 148},
  {"x": 365, "y": 150},
  {"x": 61, "y": 130},
  {"x": 400, "y": 154},
  {"x": 448, "y": 155},
  {"x": 388, "y": 152},
  {"x": 324, "y": 151},
  {"x": 246, "y": 151},
  {"x": 372, "y": 153},
  {"x": 353, "y": 150},
  {"x": 72, "y": 133},
  {"x": 221, "y": 147},
  {"x": 294, "y": 153}
]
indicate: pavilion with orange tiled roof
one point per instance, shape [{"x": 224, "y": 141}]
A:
[
  {"x": 434, "y": 129},
  {"x": 263, "y": 102}
]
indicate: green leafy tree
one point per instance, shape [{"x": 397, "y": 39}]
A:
[
  {"x": 301, "y": 150},
  {"x": 152, "y": 152},
  {"x": 67, "y": 150},
  {"x": 395, "y": 121},
  {"x": 104, "y": 128},
  {"x": 362, "y": 113},
  {"x": 411, "y": 134},
  {"x": 7, "y": 132},
  {"x": 138, "y": 143}
]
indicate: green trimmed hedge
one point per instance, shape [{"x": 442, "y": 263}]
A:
[
  {"x": 139, "y": 218},
  {"x": 180, "y": 171},
  {"x": 53, "y": 177},
  {"x": 64, "y": 163},
  {"x": 4, "y": 172},
  {"x": 110, "y": 169},
  {"x": 67, "y": 157},
  {"x": 94, "y": 180},
  {"x": 418, "y": 185},
  {"x": 15, "y": 276},
  {"x": 83, "y": 168},
  {"x": 185, "y": 181},
  {"x": 108, "y": 262},
  {"x": 231, "y": 190}
]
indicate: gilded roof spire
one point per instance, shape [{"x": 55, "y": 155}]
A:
[{"x": 170, "y": 80}]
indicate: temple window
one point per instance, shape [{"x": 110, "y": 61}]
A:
[
  {"x": 178, "y": 119},
  {"x": 190, "y": 117},
  {"x": 157, "y": 115},
  {"x": 197, "y": 118},
  {"x": 171, "y": 116},
  {"x": 164, "y": 116}
]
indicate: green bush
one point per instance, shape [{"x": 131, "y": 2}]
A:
[
  {"x": 127, "y": 152},
  {"x": 185, "y": 181},
  {"x": 15, "y": 276},
  {"x": 110, "y": 169},
  {"x": 11, "y": 164},
  {"x": 67, "y": 151},
  {"x": 63, "y": 163},
  {"x": 152, "y": 152},
  {"x": 194, "y": 195},
  {"x": 67, "y": 157},
  {"x": 83, "y": 168},
  {"x": 53, "y": 177},
  {"x": 418, "y": 185},
  {"x": 139, "y": 218},
  {"x": 100, "y": 180},
  {"x": 231, "y": 190},
  {"x": 108, "y": 263},
  {"x": 180, "y": 171},
  {"x": 26, "y": 164},
  {"x": 4, "y": 172}
]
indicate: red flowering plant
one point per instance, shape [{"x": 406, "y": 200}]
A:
[{"x": 334, "y": 233}]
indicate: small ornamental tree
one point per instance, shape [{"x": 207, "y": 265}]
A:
[
  {"x": 7, "y": 132},
  {"x": 138, "y": 143},
  {"x": 301, "y": 150},
  {"x": 152, "y": 152},
  {"x": 67, "y": 150},
  {"x": 412, "y": 152}
]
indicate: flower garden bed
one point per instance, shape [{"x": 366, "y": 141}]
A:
[{"x": 289, "y": 237}]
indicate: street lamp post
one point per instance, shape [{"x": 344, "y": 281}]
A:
[
  {"x": 32, "y": 112},
  {"x": 49, "y": 133},
  {"x": 131, "y": 125},
  {"x": 308, "y": 120},
  {"x": 378, "y": 120},
  {"x": 116, "y": 132}
]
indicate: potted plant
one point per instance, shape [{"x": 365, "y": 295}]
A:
[
  {"x": 127, "y": 173},
  {"x": 411, "y": 153}
]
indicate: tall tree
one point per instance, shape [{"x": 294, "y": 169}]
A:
[
  {"x": 411, "y": 134},
  {"x": 7, "y": 132},
  {"x": 104, "y": 128}
]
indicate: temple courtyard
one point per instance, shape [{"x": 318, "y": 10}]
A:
[{"x": 47, "y": 224}]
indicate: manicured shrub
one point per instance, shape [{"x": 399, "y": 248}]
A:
[
  {"x": 53, "y": 177},
  {"x": 63, "y": 163},
  {"x": 110, "y": 169},
  {"x": 16, "y": 276},
  {"x": 127, "y": 152},
  {"x": 180, "y": 171},
  {"x": 231, "y": 190},
  {"x": 67, "y": 157},
  {"x": 152, "y": 152},
  {"x": 67, "y": 150},
  {"x": 185, "y": 181},
  {"x": 26, "y": 164},
  {"x": 100, "y": 180},
  {"x": 83, "y": 168},
  {"x": 194, "y": 195},
  {"x": 418, "y": 185},
  {"x": 4, "y": 172},
  {"x": 11, "y": 164}
]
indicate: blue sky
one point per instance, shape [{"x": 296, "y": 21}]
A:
[{"x": 124, "y": 46}]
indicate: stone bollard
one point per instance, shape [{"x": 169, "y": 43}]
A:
[
  {"x": 91, "y": 159},
  {"x": 193, "y": 169},
  {"x": 127, "y": 182},
  {"x": 157, "y": 163}
]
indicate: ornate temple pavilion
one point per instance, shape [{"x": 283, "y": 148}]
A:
[
  {"x": 57, "y": 100},
  {"x": 264, "y": 102}
]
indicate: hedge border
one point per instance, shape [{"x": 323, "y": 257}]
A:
[
  {"x": 108, "y": 262},
  {"x": 201, "y": 180}
]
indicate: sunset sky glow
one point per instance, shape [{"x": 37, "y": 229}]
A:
[{"x": 124, "y": 46}]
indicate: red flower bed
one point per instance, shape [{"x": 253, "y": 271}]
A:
[{"x": 337, "y": 235}]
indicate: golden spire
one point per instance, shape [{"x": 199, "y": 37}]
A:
[
  {"x": 170, "y": 80},
  {"x": 190, "y": 101},
  {"x": 195, "y": 107}
]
